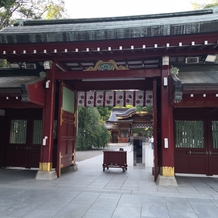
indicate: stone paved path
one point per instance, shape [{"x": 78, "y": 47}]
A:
[
  {"x": 83, "y": 155},
  {"x": 92, "y": 193}
]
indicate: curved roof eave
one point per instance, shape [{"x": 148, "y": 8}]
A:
[{"x": 126, "y": 113}]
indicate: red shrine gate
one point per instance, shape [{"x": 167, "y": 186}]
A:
[{"x": 63, "y": 58}]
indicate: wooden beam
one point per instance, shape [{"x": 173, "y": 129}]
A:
[
  {"x": 198, "y": 101},
  {"x": 14, "y": 103},
  {"x": 138, "y": 73},
  {"x": 105, "y": 56},
  {"x": 79, "y": 85}
]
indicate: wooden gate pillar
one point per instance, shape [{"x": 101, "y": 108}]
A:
[
  {"x": 45, "y": 166},
  {"x": 167, "y": 131}
]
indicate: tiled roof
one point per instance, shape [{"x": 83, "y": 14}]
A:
[
  {"x": 121, "y": 112},
  {"x": 198, "y": 75},
  {"x": 17, "y": 81},
  {"x": 180, "y": 23},
  {"x": 193, "y": 78}
]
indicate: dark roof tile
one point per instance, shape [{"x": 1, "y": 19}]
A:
[{"x": 37, "y": 31}]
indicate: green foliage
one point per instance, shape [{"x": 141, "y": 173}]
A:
[
  {"x": 204, "y": 4},
  {"x": 104, "y": 112},
  {"x": 3, "y": 63},
  {"x": 127, "y": 106},
  {"x": 211, "y": 5},
  {"x": 7, "y": 3},
  {"x": 145, "y": 108},
  {"x": 92, "y": 134},
  {"x": 54, "y": 12},
  {"x": 10, "y": 10}
]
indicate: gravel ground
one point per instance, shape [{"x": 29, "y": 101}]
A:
[{"x": 83, "y": 155}]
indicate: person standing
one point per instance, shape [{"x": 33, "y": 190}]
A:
[{"x": 152, "y": 142}]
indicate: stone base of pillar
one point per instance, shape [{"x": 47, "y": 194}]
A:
[
  {"x": 166, "y": 180},
  {"x": 71, "y": 168},
  {"x": 43, "y": 175}
]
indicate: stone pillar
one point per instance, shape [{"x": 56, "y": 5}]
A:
[
  {"x": 167, "y": 174},
  {"x": 45, "y": 166}
]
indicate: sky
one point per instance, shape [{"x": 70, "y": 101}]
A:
[{"x": 114, "y": 8}]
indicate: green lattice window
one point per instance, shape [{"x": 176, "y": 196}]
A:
[
  {"x": 37, "y": 132},
  {"x": 18, "y": 132},
  {"x": 215, "y": 133},
  {"x": 189, "y": 134}
]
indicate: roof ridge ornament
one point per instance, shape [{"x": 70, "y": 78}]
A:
[
  {"x": 20, "y": 22},
  {"x": 42, "y": 74},
  {"x": 104, "y": 66},
  {"x": 174, "y": 70},
  {"x": 215, "y": 10}
]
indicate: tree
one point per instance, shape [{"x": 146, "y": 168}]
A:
[
  {"x": 10, "y": 10},
  {"x": 92, "y": 132},
  {"x": 204, "y": 4},
  {"x": 104, "y": 112},
  {"x": 211, "y": 5}
]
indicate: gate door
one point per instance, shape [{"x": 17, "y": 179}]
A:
[
  {"x": 23, "y": 149},
  {"x": 66, "y": 128},
  {"x": 196, "y": 144},
  {"x": 213, "y": 147}
]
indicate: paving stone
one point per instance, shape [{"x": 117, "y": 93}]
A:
[{"x": 92, "y": 193}]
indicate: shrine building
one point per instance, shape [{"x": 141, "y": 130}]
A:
[
  {"x": 167, "y": 61},
  {"x": 123, "y": 121}
]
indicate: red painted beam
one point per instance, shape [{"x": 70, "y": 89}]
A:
[
  {"x": 210, "y": 100},
  {"x": 193, "y": 113},
  {"x": 15, "y": 103},
  {"x": 79, "y": 85},
  {"x": 105, "y": 55},
  {"x": 201, "y": 90},
  {"x": 141, "y": 73},
  {"x": 15, "y": 52}
]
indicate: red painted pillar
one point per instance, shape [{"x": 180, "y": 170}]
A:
[
  {"x": 167, "y": 131},
  {"x": 48, "y": 122}
]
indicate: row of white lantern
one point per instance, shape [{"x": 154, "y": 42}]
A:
[{"x": 115, "y": 98}]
